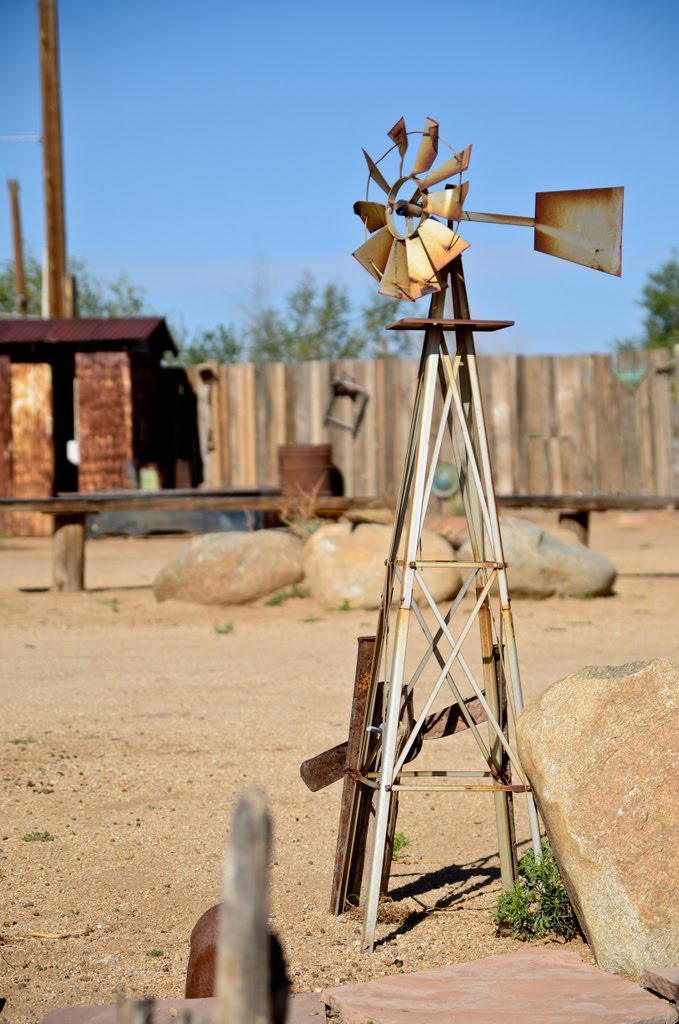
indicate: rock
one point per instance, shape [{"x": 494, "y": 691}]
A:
[
  {"x": 600, "y": 749},
  {"x": 231, "y": 568},
  {"x": 542, "y": 565},
  {"x": 344, "y": 566}
]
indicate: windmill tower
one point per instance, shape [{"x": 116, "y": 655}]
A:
[{"x": 425, "y": 647}]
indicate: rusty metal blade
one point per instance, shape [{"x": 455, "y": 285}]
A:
[
  {"x": 456, "y": 165},
  {"x": 429, "y": 147},
  {"x": 447, "y": 202},
  {"x": 372, "y": 214},
  {"x": 421, "y": 273},
  {"x": 376, "y": 173},
  {"x": 328, "y": 767},
  {"x": 395, "y": 280},
  {"x": 374, "y": 253},
  {"x": 583, "y": 226},
  {"x": 399, "y": 135},
  {"x": 442, "y": 244}
]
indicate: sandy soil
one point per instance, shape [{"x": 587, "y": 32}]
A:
[{"x": 128, "y": 729}]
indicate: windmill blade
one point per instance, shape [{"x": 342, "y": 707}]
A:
[
  {"x": 583, "y": 226},
  {"x": 456, "y": 165},
  {"x": 376, "y": 173},
  {"x": 429, "y": 147},
  {"x": 372, "y": 214},
  {"x": 447, "y": 202},
  {"x": 399, "y": 135},
  {"x": 395, "y": 280},
  {"x": 422, "y": 275},
  {"x": 374, "y": 253},
  {"x": 442, "y": 244}
]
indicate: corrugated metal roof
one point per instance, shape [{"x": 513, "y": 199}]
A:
[{"x": 90, "y": 331}]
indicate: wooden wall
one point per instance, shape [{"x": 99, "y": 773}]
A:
[{"x": 557, "y": 424}]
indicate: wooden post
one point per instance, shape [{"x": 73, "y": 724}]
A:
[
  {"x": 68, "y": 553},
  {"x": 55, "y": 228},
  {"x": 20, "y": 300},
  {"x": 243, "y": 951}
]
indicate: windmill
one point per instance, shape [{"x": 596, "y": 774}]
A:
[{"x": 413, "y": 248}]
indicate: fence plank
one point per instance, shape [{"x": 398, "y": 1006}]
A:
[{"x": 556, "y": 424}]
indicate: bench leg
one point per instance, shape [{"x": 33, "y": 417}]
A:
[
  {"x": 578, "y": 522},
  {"x": 68, "y": 553}
]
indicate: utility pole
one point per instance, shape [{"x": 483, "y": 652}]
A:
[
  {"x": 20, "y": 301},
  {"x": 55, "y": 228}
]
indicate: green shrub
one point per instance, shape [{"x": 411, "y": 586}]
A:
[{"x": 537, "y": 904}]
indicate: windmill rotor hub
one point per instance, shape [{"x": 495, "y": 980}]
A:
[{"x": 403, "y": 207}]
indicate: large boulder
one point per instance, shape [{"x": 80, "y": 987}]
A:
[
  {"x": 344, "y": 565},
  {"x": 231, "y": 568},
  {"x": 542, "y": 565},
  {"x": 601, "y": 750}
]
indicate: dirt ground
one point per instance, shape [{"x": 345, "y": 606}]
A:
[{"x": 129, "y": 728}]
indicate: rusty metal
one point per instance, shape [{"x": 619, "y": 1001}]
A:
[
  {"x": 331, "y": 765},
  {"x": 410, "y": 257},
  {"x": 96, "y": 332},
  {"x": 343, "y": 387},
  {"x": 583, "y": 226}
]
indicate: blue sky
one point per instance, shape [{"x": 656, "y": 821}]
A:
[{"x": 208, "y": 143}]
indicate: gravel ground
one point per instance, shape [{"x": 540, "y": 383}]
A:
[{"x": 129, "y": 729}]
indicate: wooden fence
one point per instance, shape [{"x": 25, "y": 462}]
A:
[{"x": 557, "y": 424}]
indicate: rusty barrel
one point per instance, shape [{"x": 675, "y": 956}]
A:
[{"x": 305, "y": 468}]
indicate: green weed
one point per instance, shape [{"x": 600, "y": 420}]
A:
[
  {"x": 225, "y": 629},
  {"x": 38, "y": 837},
  {"x": 401, "y": 840},
  {"x": 21, "y": 740},
  {"x": 312, "y": 618},
  {"x": 537, "y": 904},
  {"x": 113, "y": 603},
  {"x": 154, "y": 953},
  {"x": 345, "y": 606},
  {"x": 281, "y": 596}
]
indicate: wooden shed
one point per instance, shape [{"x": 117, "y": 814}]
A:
[{"x": 98, "y": 384}]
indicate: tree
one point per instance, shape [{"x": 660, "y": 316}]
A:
[
  {"x": 379, "y": 311},
  {"x": 219, "y": 344},
  {"x": 94, "y": 297},
  {"x": 660, "y": 296},
  {"x": 314, "y": 324}
]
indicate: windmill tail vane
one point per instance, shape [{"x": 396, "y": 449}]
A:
[{"x": 412, "y": 233}]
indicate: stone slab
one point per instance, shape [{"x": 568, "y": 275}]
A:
[
  {"x": 303, "y": 1008},
  {"x": 663, "y": 980},
  {"x": 531, "y": 987}
]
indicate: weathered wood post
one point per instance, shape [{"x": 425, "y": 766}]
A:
[
  {"x": 243, "y": 951},
  {"x": 68, "y": 553}
]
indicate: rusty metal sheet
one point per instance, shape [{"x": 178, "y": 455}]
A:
[
  {"x": 429, "y": 147},
  {"x": 458, "y": 163},
  {"x": 32, "y": 443},
  {"x": 446, "y": 203},
  {"x": 376, "y": 173},
  {"x": 395, "y": 279},
  {"x": 583, "y": 226},
  {"x": 5, "y": 426},
  {"x": 374, "y": 253},
  {"x": 399, "y": 135},
  {"x": 442, "y": 244},
  {"x": 104, "y": 420},
  {"x": 422, "y": 279},
  {"x": 373, "y": 215}
]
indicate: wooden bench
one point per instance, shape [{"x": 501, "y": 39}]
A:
[
  {"x": 574, "y": 509},
  {"x": 70, "y": 510}
]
